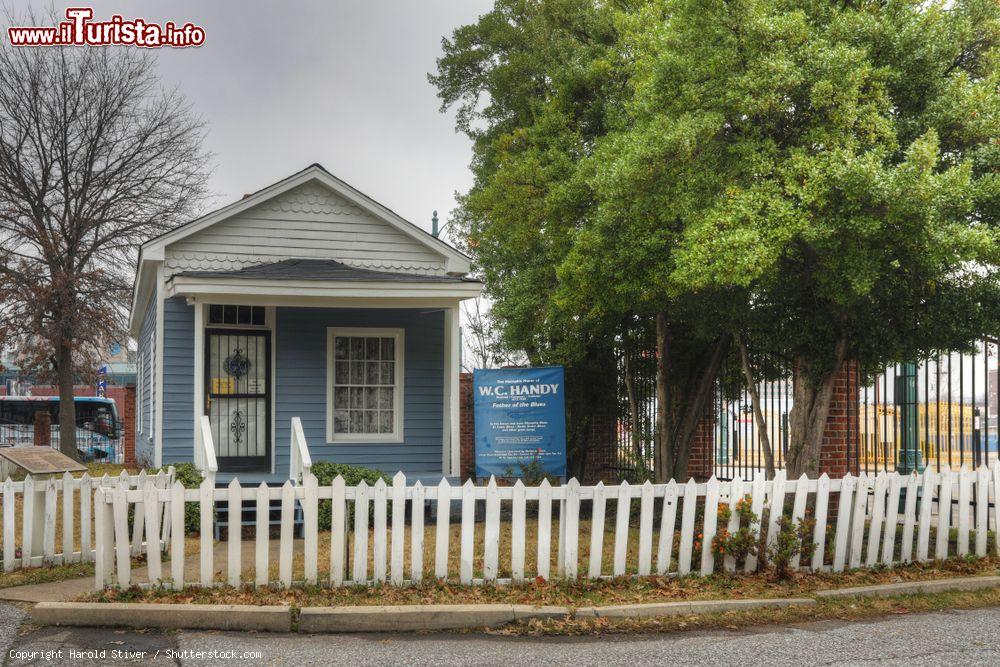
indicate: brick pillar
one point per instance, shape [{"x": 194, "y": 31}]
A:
[
  {"x": 43, "y": 429},
  {"x": 128, "y": 425},
  {"x": 840, "y": 437},
  {"x": 701, "y": 462},
  {"x": 467, "y": 427}
]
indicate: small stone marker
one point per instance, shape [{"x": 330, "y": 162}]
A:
[{"x": 41, "y": 460}]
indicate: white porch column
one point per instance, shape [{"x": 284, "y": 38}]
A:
[
  {"x": 451, "y": 445},
  {"x": 199, "y": 377}
]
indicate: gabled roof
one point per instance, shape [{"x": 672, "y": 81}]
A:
[
  {"x": 321, "y": 269},
  {"x": 457, "y": 262}
]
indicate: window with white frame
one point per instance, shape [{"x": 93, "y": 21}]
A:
[{"x": 364, "y": 385}]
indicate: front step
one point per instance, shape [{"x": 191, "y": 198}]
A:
[{"x": 248, "y": 517}]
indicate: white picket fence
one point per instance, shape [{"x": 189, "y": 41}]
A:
[
  {"x": 39, "y": 503},
  {"x": 866, "y": 507}
]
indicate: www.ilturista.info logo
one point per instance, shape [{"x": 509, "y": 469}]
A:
[{"x": 79, "y": 30}]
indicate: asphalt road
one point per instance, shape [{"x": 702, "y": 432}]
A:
[{"x": 951, "y": 638}]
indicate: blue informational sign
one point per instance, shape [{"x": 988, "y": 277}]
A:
[{"x": 520, "y": 419}]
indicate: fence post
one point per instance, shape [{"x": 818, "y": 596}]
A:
[
  {"x": 491, "y": 533},
  {"x": 571, "y": 532},
  {"x": 285, "y": 544},
  {"x": 646, "y": 529},
  {"x": 819, "y": 532},
  {"x": 103, "y": 556},
  {"x": 67, "y": 517},
  {"x": 139, "y": 514},
  {"x": 206, "y": 502},
  {"x": 398, "y": 529},
  {"x": 262, "y": 535},
  {"x": 416, "y": 534},
  {"x": 441, "y": 529},
  {"x": 234, "y": 545},
  {"x": 544, "y": 528},
  {"x": 378, "y": 532},
  {"x": 338, "y": 531},
  {"x": 468, "y": 528},
  {"x": 944, "y": 515},
  {"x": 124, "y": 559},
  {"x": 687, "y": 528},
  {"x": 177, "y": 535},
  {"x": 9, "y": 562},
  {"x": 711, "y": 521},
  {"x": 86, "y": 520},
  {"x": 360, "y": 575},
  {"x": 310, "y": 532},
  {"x": 151, "y": 508}
]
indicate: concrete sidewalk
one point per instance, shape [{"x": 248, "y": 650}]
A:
[{"x": 70, "y": 589}]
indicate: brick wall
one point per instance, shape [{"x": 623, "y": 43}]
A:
[
  {"x": 467, "y": 427},
  {"x": 127, "y": 415},
  {"x": 841, "y": 423},
  {"x": 701, "y": 462}
]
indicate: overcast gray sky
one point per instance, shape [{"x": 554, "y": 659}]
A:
[{"x": 286, "y": 84}]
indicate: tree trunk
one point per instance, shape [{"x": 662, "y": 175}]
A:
[
  {"x": 811, "y": 396},
  {"x": 758, "y": 412},
  {"x": 695, "y": 404},
  {"x": 681, "y": 406},
  {"x": 67, "y": 407},
  {"x": 633, "y": 408},
  {"x": 663, "y": 461}
]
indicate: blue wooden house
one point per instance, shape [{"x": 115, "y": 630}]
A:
[{"x": 305, "y": 299}]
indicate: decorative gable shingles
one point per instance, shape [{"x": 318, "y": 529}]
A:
[{"x": 307, "y": 222}]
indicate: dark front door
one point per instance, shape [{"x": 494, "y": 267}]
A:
[{"x": 238, "y": 397}]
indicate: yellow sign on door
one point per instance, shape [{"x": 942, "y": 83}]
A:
[{"x": 223, "y": 386}]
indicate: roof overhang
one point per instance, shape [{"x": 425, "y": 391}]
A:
[{"x": 279, "y": 292}]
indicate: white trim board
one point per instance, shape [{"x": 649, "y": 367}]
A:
[{"x": 195, "y": 286}]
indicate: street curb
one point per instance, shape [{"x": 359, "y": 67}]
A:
[
  {"x": 414, "y": 618},
  {"x": 410, "y": 618},
  {"x": 688, "y": 607},
  {"x": 911, "y": 587},
  {"x": 175, "y": 616}
]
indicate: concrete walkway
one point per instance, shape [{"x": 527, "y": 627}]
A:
[{"x": 70, "y": 589}]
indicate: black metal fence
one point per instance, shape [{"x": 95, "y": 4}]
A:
[
  {"x": 940, "y": 412},
  {"x": 636, "y": 424}
]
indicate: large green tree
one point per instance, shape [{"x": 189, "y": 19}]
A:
[
  {"x": 816, "y": 180},
  {"x": 845, "y": 162},
  {"x": 538, "y": 87},
  {"x": 532, "y": 84}
]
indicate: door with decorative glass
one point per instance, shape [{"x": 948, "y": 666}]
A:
[{"x": 238, "y": 397}]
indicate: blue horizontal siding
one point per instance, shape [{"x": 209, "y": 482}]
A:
[
  {"x": 178, "y": 381},
  {"x": 300, "y": 386},
  {"x": 146, "y": 355}
]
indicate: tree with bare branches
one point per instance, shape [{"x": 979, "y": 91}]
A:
[{"x": 95, "y": 158}]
